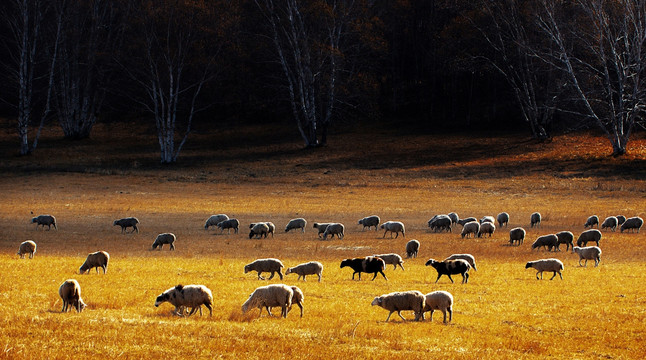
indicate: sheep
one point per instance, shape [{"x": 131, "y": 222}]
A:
[
  {"x": 554, "y": 265},
  {"x": 321, "y": 227},
  {"x": 466, "y": 221},
  {"x": 454, "y": 218},
  {"x": 610, "y": 222},
  {"x": 214, "y": 220},
  {"x": 369, "y": 221},
  {"x": 42, "y": 220},
  {"x": 258, "y": 230},
  {"x": 589, "y": 235},
  {"x": 70, "y": 293},
  {"x": 310, "y": 268},
  {"x": 27, "y": 247},
  {"x": 404, "y": 300},
  {"x": 440, "y": 222},
  {"x": 632, "y": 224},
  {"x": 467, "y": 257},
  {"x": 270, "y": 296},
  {"x": 486, "y": 219},
  {"x": 592, "y": 221},
  {"x": 297, "y": 299},
  {"x": 193, "y": 296},
  {"x": 299, "y": 223},
  {"x": 392, "y": 259},
  {"x": 165, "y": 238},
  {"x": 265, "y": 265},
  {"x": 334, "y": 229},
  {"x": 472, "y": 227},
  {"x": 95, "y": 260},
  {"x": 620, "y": 219},
  {"x": 565, "y": 237},
  {"x": 503, "y": 219},
  {"x": 535, "y": 219},
  {"x": 229, "y": 224},
  {"x": 271, "y": 227},
  {"x": 125, "y": 223},
  {"x": 450, "y": 267},
  {"x": 588, "y": 253},
  {"x": 550, "y": 241},
  {"x": 393, "y": 227},
  {"x": 487, "y": 228},
  {"x": 516, "y": 235},
  {"x": 369, "y": 264},
  {"x": 412, "y": 247},
  {"x": 439, "y": 300}
]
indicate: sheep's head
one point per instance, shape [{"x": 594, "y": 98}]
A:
[
  {"x": 528, "y": 265},
  {"x": 431, "y": 262},
  {"x": 576, "y": 249},
  {"x": 377, "y": 301},
  {"x": 345, "y": 262},
  {"x": 288, "y": 271},
  {"x": 33, "y": 220},
  {"x": 161, "y": 299},
  {"x": 247, "y": 268}
]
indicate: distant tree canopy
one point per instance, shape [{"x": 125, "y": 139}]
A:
[{"x": 486, "y": 64}]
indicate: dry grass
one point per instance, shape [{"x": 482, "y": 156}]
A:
[{"x": 502, "y": 313}]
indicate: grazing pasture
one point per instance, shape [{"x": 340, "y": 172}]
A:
[{"x": 503, "y": 312}]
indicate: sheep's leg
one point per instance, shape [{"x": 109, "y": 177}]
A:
[
  {"x": 260, "y": 277},
  {"x": 450, "y": 310},
  {"x": 319, "y": 275},
  {"x": 465, "y": 278},
  {"x": 396, "y": 236},
  {"x": 382, "y": 274},
  {"x": 400, "y": 315},
  {"x": 280, "y": 273},
  {"x": 438, "y": 278},
  {"x": 374, "y": 277},
  {"x": 64, "y": 306},
  {"x": 208, "y": 306},
  {"x": 432, "y": 310},
  {"x": 553, "y": 276},
  {"x": 388, "y": 318},
  {"x": 385, "y": 234},
  {"x": 272, "y": 275},
  {"x": 401, "y": 266},
  {"x": 450, "y": 278},
  {"x": 537, "y": 275}
]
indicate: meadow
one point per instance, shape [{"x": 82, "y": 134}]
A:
[{"x": 503, "y": 312}]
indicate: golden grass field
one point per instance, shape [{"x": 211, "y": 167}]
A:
[{"x": 503, "y": 312}]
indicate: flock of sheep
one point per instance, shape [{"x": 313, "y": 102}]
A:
[{"x": 190, "y": 298}]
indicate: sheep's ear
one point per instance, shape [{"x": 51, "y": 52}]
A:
[{"x": 179, "y": 287}]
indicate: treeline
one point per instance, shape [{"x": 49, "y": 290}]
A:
[{"x": 188, "y": 64}]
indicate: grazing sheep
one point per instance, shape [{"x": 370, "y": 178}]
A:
[
  {"x": 632, "y": 224},
  {"x": 450, "y": 267},
  {"x": 468, "y": 257},
  {"x": 592, "y": 221},
  {"x": 297, "y": 299},
  {"x": 472, "y": 227},
  {"x": 369, "y": 221},
  {"x": 589, "y": 235},
  {"x": 440, "y": 222},
  {"x": 310, "y": 268},
  {"x": 125, "y": 223},
  {"x": 393, "y": 227},
  {"x": 229, "y": 224},
  {"x": 258, "y": 230},
  {"x": 95, "y": 260},
  {"x": 503, "y": 219},
  {"x": 214, "y": 220},
  {"x": 42, "y": 220},
  {"x": 270, "y": 296},
  {"x": 70, "y": 293},
  {"x": 454, "y": 217},
  {"x": 412, "y": 247},
  {"x": 265, "y": 265},
  {"x": 554, "y": 265},
  {"x": 620, "y": 219},
  {"x": 392, "y": 259},
  {"x": 487, "y": 228},
  {"x": 369, "y": 264},
  {"x": 516, "y": 235},
  {"x": 565, "y": 237},
  {"x": 466, "y": 221},
  {"x": 299, "y": 223},
  {"x": 535, "y": 219},
  {"x": 403, "y": 300},
  {"x": 334, "y": 229},
  {"x": 271, "y": 227},
  {"x": 165, "y": 238},
  {"x": 321, "y": 227},
  {"x": 27, "y": 247},
  {"x": 550, "y": 241},
  {"x": 588, "y": 253},
  {"x": 610, "y": 222},
  {"x": 487, "y": 219},
  {"x": 190, "y": 296},
  {"x": 439, "y": 300}
]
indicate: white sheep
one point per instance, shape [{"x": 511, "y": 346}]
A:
[
  {"x": 191, "y": 296},
  {"x": 42, "y": 220},
  {"x": 165, "y": 238},
  {"x": 369, "y": 221},
  {"x": 321, "y": 227},
  {"x": 265, "y": 265},
  {"x": 592, "y": 221},
  {"x": 503, "y": 219},
  {"x": 554, "y": 265},
  {"x": 588, "y": 253},
  {"x": 310, "y": 268},
  {"x": 125, "y": 223},
  {"x": 393, "y": 227},
  {"x": 487, "y": 228},
  {"x": 392, "y": 259},
  {"x": 487, "y": 219},
  {"x": 297, "y": 299},
  {"x": 472, "y": 227},
  {"x": 412, "y": 248},
  {"x": 27, "y": 247},
  {"x": 214, "y": 220},
  {"x": 403, "y": 300},
  {"x": 610, "y": 222},
  {"x": 334, "y": 229},
  {"x": 535, "y": 219},
  {"x": 270, "y": 296},
  {"x": 229, "y": 224},
  {"x": 95, "y": 260},
  {"x": 70, "y": 293},
  {"x": 632, "y": 224},
  {"x": 516, "y": 235},
  {"x": 299, "y": 223},
  {"x": 258, "y": 230},
  {"x": 468, "y": 257},
  {"x": 439, "y": 300}
]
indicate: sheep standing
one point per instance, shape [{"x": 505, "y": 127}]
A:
[
  {"x": 449, "y": 267},
  {"x": 299, "y": 223},
  {"x": 503, "y": 219},
  {"x": 592, "y": 221},
  {"x": 587, "y": 236},
  {"x": 487, "y": 228},
  {"x": 439, "y": 300},
  {"x": 440, "y": 222},
  {"x": 297, "y": 299},
  {"x": 516, "y": 235},
  {"x": 466, "y": 221},
  {"x": 588, "y": 253},
  {"x": 272, "y": 227},
  {"x": 369, "y": 221},
  {"x": 550, "y": 241},
  {"x": 214, "y": 220},
  {"x": 393, "y": 227},
  {"x": 369, "y": 264},
  {"x": 535, "y": 219},
  {"x": 258, "y": 230},
  {"x": 95, "y": 260},
  {"x": 229, "y": 224},
  {"x": 265, "y": 265},
  {"x": 467, "y": 257},
  {"x": 270, "y": 296},
  {"x": 412, "y": 248},
  {"x": 392, "y": 259},
  {"x": 192, "y": 296},
  {"x": 609, "y": 223},
  {"x": 404, "y": 300},
  {"x": 42, "y": 220},
  {"x": 454, "y": 218},
  {"x": 27, "y": 247},
  {"x": 632, "y": 224},
  {"x": 487, "y": 219},
  {"x": 70, "y": 293},
  {"x": 334, "y": 229},
  {"x": 125, "y": 223},
  {"x": 565, "y": 237},
  {"x": 553, "y": 265},
  {"x": 310, "y": 268},
  {"x": 469, "y": 228},
  {"x": 620, "y": 219},
  {"x": 165, "y": 238},
  {"x": 321, "y": 227}
]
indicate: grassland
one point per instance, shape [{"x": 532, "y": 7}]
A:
[{"x": 502, "y": 313}]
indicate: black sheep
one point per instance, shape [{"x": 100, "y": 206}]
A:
[
  {"x": 369, "y": 264},
  {"x": 450, "y": 267}
]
